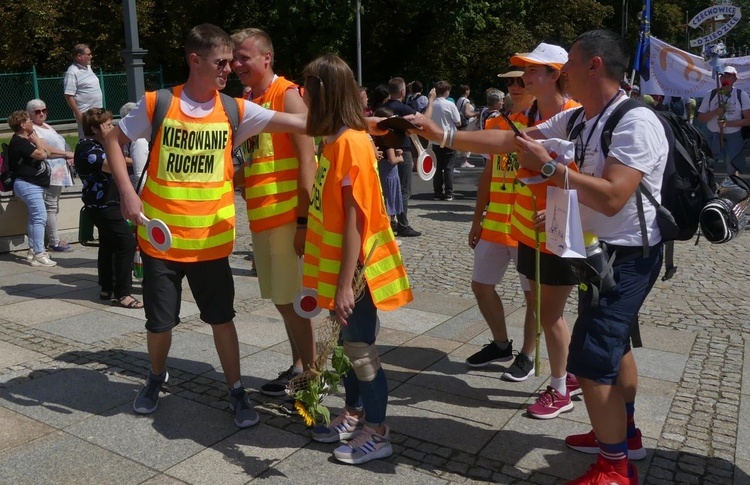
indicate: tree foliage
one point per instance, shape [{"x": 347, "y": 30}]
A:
[{"x": 462, "y": 41}]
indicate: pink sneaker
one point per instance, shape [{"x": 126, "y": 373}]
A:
[
  {"x": 587, "y": 443},
  {"x": 571, "y": 383},
  {"x": 550, "y": 404}
]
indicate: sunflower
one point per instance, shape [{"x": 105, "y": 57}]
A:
[{"x": 302, "y": 410}]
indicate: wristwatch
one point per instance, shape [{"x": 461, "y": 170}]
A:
[{"x": 549, "y": 169}]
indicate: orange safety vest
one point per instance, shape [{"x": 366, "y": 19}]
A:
[
  {"x": 531, "y": 184},
  {"x": 496, "y": 225},
  {"x": 189, "y": 184},
  {"x": 271, "y": 174},
  {"x": 352, "y": 154}
]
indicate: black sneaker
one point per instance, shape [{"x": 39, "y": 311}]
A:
[
  {"x": 277, "y": 387},
  {"x": 491, "y": 353},
  {"x": 521, "y": 369},
  {"x": 408, "y": 232},
  {"x": 438, "y": 197},
  {"x": 448, "y": 197}
]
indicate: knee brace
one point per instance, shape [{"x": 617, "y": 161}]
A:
[{"x": 364, "y": 358}]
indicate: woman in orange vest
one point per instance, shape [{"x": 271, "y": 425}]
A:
[
  {"x": 347, "y": 219},
  {"x": 494, "y": 247},
  {"x": 542, "y": 69}
]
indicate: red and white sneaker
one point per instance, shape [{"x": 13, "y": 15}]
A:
[
  {"x": 587, "y": 443},
  {"x": 603, "y": 473},
  {"x": 550, "y": 404},
  {"x": 571, "y": 383}
]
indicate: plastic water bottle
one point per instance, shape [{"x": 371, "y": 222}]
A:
[
  {"x": 137, "y": 264},
  {"x": 598, "y": 262}
]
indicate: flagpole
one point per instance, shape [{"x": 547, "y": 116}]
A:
[{"x": 643, "y": 47}]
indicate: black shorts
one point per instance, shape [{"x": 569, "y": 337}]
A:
[
  {"x": 554, "y": 270},
  {"x": 210, "y": 282}
]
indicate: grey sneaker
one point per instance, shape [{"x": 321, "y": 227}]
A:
[
  {"x": 29, "y": 255},
  {"x": 342, "y": 427},
  {"x": 277, "y": 387},
  {"x": 244, "y": 413},
  {"x": 520, "y": 370},
  {"x": 367, "y": 445},
  {"x": 42, "y": 259},
  {"x": 148, "y": 399}
]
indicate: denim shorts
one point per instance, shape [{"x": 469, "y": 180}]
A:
[{"x": 601, "y": 335}]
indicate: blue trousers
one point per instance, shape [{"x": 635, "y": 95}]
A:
[
  {"x": 33, "y": 196},
  {"x": 731, "y": 158}
]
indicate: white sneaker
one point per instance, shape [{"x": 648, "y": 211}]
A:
[
  {"x": 42, "y": 259},
  {"x": 29, "y": 255},
  {"x": 467, "y": 165}
]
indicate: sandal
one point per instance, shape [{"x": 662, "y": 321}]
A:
[
  {"x": 105, "y": 295},
  {"x": 132, "y": 303}
]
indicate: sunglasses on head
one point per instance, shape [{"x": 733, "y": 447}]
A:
[
  {"x": 40, "y": 111},
  {"x": 518, "y": 80}
]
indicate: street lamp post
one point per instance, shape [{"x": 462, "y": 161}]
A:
[{"x": 133, "y": 54}]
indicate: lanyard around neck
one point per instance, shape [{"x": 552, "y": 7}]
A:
[{"x": 579, "y": 128}]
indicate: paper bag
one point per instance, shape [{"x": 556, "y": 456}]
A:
[{"x": 563, "y": 223}]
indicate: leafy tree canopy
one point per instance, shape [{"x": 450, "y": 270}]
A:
[{"x": 462, "y": 41}]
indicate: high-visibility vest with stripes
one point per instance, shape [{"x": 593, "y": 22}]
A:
[
  {"x": 271, "y": 174},
  {"x": 352, "y": 154},
  {"x": 530, "y": 185},
  {"x": 189, "y": 183},
  {"x": 496, "y": 225}
]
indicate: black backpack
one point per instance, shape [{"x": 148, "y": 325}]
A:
[
  {"x": 6, "y": 177},
  {"x": 687, "y": 185}
]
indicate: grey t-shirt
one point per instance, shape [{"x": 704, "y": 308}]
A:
[{"x": 83, "y": 84}]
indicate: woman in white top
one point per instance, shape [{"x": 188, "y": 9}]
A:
[{"x": 60, "y": 176}]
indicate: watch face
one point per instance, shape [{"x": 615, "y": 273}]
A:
[{"x": 548, "y": 169}]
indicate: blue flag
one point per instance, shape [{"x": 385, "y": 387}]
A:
[{"x": 642, "y": 62}]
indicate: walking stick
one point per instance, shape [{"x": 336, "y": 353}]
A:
[
  {"x": 719, "y": 94},
  {"x": 538, "y": 302}
]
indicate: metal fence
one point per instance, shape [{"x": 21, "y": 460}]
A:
[{"x": 17, "y": 88}]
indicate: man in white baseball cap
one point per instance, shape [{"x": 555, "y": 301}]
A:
[{"x": 725, "y": 112}]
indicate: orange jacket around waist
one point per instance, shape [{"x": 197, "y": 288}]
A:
[
  {"x": 352, "y": 154},
  {"x": 271, "y": 177},
  {"x": 189, "y": 183}
]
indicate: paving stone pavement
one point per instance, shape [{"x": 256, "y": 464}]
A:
[{"x": 70, "y": 366}]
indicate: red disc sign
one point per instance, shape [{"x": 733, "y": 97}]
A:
[
  {"x": 306, "y": 303},
  {"x": 158, "y": 233}
]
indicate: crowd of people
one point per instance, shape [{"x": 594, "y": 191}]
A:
[{"x": 315, "y": 219}]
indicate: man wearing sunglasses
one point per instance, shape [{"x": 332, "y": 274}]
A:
[
  {"x": 81, "y": 85},
  {"x": 189, "y": 187}
]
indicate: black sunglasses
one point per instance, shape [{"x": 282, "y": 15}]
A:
[
  {"x": 40, "y": 111},
  {"x": 516, "y": 80},
  {"x": 219, "y": 63}
]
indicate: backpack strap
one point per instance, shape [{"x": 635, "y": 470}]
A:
[
  {"x": 233, "y": 113},
  {"x": 161, "y": 106},
  {"x": 572, "y": 121}
]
